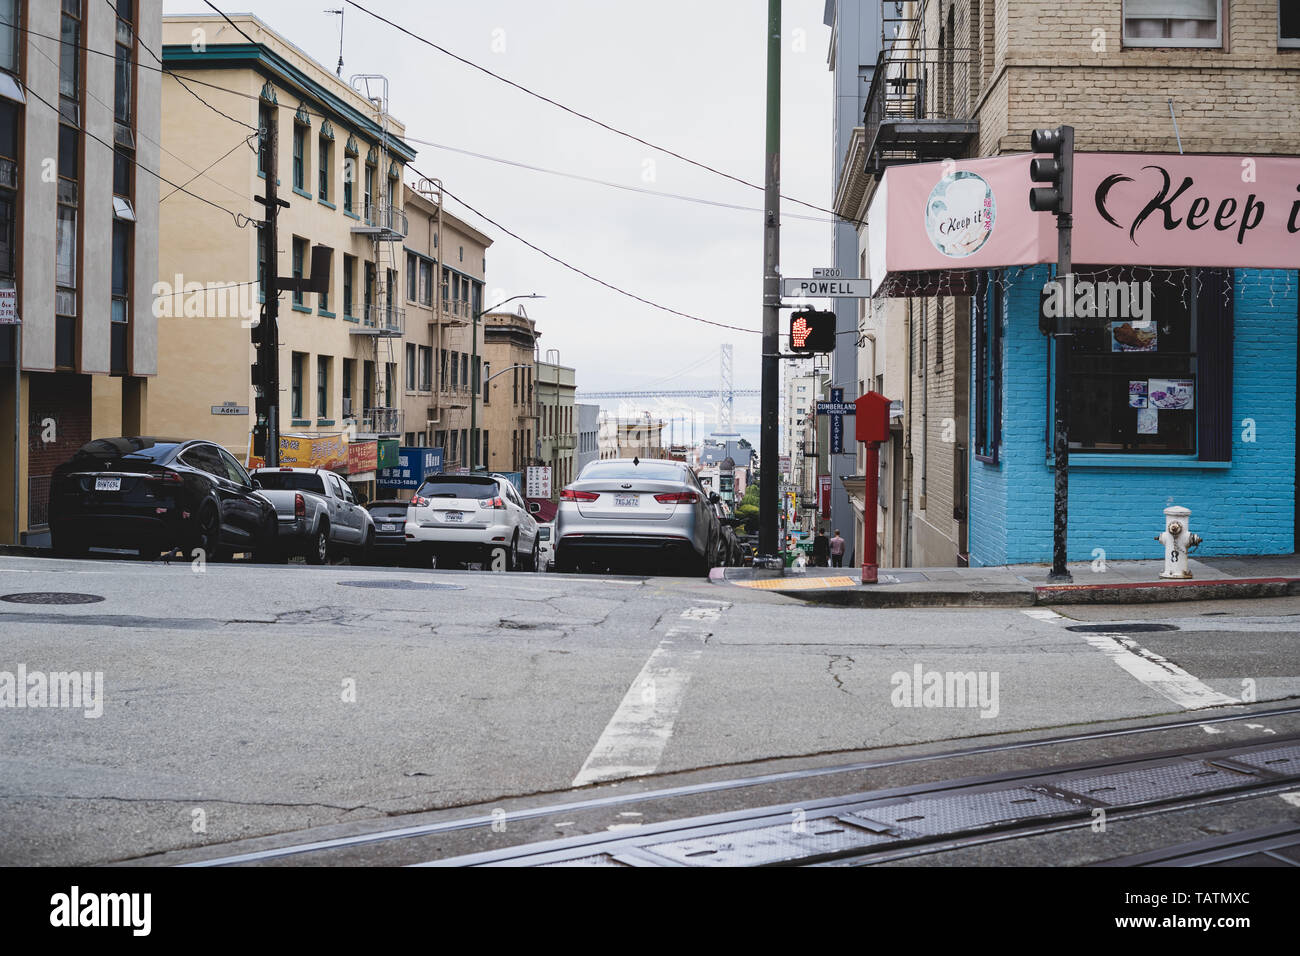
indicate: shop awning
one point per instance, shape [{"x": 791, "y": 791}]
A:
[{"x": 932, "y": 225}]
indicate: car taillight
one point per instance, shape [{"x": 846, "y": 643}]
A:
[
  {"x": 418, "y": 502},
  {"x": 167, "y": 477},
  {"x": 568, "y": 494},
  {"x": 299, "y": 506},
  {"x": 678, "y": 498},
  {"x": 491, "y": 503}
]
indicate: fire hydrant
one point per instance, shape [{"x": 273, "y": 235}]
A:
[{"x": 1178, "y": 540}]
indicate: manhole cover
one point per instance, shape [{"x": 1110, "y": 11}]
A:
[
  {"x": 403, "y": 585},
  {"x": 50, "y": 597},
  {"x": 1120, "y": 628}
]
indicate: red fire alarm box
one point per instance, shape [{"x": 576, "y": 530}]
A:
[{"x": 872, "y": 418}]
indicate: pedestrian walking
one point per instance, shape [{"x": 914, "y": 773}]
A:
[
  {"x": 837, "y": 550},
  {"x": 821, "y": 549}
]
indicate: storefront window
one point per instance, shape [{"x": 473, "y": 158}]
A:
[
  {"x": 1133, "y": 382},
  {"x": 987, "y": 303}
]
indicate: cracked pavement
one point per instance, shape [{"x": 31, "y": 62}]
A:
[{"x": 250, "y": 700}]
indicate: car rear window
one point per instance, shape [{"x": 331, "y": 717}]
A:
[
  {"x": 458, "y": 487},
  {"x": 291, "y": 481},
  {"x": 649, "y": 470},
  {"x": 388, "y": 510},
  {"x": 544, "y": 534},
  {"x": 122, "y": 452}
]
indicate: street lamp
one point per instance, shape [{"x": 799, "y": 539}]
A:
[{"x": 473, "y": 398}]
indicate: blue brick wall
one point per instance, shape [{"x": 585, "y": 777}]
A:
[{"x": 1247, "y": 508}]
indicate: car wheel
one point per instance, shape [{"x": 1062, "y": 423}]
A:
[
  {"x": 363, "y": 555},
  {"x": 208, "y": 536},
  {"x": 318, "y": 552},
  {"x": 535, "y": 560},
  {"x": 512, "y": 555},
  {"x": 563, "y": 563}
]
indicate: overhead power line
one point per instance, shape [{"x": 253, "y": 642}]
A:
[
  {"x": 581, "y": 115},
  {"x": 581, "y": 272}
]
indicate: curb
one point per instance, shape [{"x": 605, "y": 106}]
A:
[{"x": 893, "y": 596}]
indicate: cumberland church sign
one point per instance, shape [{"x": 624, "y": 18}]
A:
[{"x": 930, "y": 223}]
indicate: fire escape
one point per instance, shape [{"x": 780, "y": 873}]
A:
[
  {"x": 921, "y": 98},
  {"x": 383, "y": 320}
]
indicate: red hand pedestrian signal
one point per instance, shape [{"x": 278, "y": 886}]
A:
[
  {"x": 812, "y": 331},
  {"x": 799, "y": 331}
]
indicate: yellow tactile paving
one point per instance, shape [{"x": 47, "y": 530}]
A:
[{"x": 797, "y": 584}]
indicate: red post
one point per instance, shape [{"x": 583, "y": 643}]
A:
[{"x": 869, "y": 568}]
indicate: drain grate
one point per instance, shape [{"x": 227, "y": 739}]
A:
[
  {"x": 403, "y": 585},
  {"x": 1284, "y": 761},
  {"x": 766, "y": 845},
  {"x": 1149, "y": 784},
  {"x": 1119, "y": 628},
  {"x": 51, "y": 597}
]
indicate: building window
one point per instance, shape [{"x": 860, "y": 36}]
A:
[
  {"x": 348, "y": 366},
  {"x": 299, "y": 157},
  {"x": 8, "y": 187},
  {"x": 390, "y": 376},
  {"x": 298, "y": 361},
  {"x": 323, "y": 298},
  {"x": 349, "y": 273},
  {"x": 367, "y": 383},
  {"x": 487, "y": 374},
  {"x": 369, "y": 196},
  {"x": 121, "y": 289},
  {"x": 124, "y": 71},
  {"x": 1173, "y": 23},
  {"x": 1288, "y": 23},
  {"x": 10, "y": 34},
  {"x": 485, "y": 460},
  {"x": 988, "y": 306},
  {"x": 410, "y": 366},
  {"x": 322, "y": 386},
  {"x": 426, "y": 282},
  {"x": 349, "y": 176},
  {"x": 412, "y": 277},
  {"x": 70, "y": 50},
  {"x": 299, "y": 255},
  {"x": 265, "y": 119},
  {"x": 326, "y": 168},
  {"x": 123, "y": 171},
  {"x": 426, "y": 368},
  {"x": 368, "y": 292},
  {"x": 1133, "y": 383},
  {"x": 455, "y": 370}
]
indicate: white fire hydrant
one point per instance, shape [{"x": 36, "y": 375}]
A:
[{"x": 1178, "y": 540}]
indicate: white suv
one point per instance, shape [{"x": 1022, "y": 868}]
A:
[{"x": 470, "y": 518}]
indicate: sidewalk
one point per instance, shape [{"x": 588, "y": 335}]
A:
[{"x": 1025, "y": 585}]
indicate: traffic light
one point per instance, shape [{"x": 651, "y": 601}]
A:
[
  {"x": 1059, "y": 170},
  {"x": 812, "y": 331}
]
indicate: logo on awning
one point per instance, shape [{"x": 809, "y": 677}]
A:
[{"x": 960, "y": 213}]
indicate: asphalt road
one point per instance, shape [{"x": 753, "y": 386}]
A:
[{"x": 243, "y": 700}]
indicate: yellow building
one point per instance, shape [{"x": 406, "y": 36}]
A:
[
  {"x": 440, "y": 368},
  {"x": 339, "y": 166}
]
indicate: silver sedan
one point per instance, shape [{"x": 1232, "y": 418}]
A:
[{"x": 628, "y": 510}]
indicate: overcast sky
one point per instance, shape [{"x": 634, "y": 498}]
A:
[{"x": 686, "y": 75}]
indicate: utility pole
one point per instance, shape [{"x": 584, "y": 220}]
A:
[
  {"x": 266, "y": 435},
  {"x": 768, "y": 490}
]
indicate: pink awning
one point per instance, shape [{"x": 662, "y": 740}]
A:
[{"x": 932, "y": 224}]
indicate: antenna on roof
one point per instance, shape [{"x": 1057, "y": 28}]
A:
[{"x": 339, "y": 11}]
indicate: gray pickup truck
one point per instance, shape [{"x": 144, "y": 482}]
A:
[{"x": 318, "y": 515}]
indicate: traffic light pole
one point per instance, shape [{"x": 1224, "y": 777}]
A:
[
  {"x": 1063, "y": 344},
  {"x": 768, "y": 492},
  {"x": 268, "y": 331}
]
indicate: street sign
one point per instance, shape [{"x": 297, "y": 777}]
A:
[
  {"x": 827, "y": 273},
  {"x": 229, "y": 408},
  {"x": 538, "y": 481},
  {"x": 837, "y": 408},
  {"x": 9, "y": 306},
  {"x": 413, "y": 466},
  {"x": 826, "y": 288}
]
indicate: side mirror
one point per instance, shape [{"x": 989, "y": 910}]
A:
[
  {"x": 534, "y": 508},
  {"x": 714, "y": 498},
  {"x": 256, "y": 485}
]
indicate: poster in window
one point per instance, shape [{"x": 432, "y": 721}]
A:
[
  {"x": 1137, "y": 394},
  {"x": 1148, "y": 420},
  {"x": 1171, "y": 393},
  {"x": 1133, "y": 337}
]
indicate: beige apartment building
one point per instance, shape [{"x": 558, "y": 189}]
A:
[
  {"x": 339, "y": 166},
  {"x": 443, "y": 365},
  {"x": 557, "y": 421},
  {"x": 79, "y": 249},
  {"x": 972, "y": 78},
  {"x": 509, "y": 409}
]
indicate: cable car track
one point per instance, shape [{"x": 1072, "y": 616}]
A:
[{"x": 331, "y": 849}]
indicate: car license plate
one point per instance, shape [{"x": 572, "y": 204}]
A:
[
  {"x": 627, "y": 501},
  {"x": 108, "y": 484},
  {"x": 388, "y": 527},
  {"x": 453, "y": 516}
]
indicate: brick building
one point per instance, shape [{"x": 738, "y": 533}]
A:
[{"x": 968, "y": 476}]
